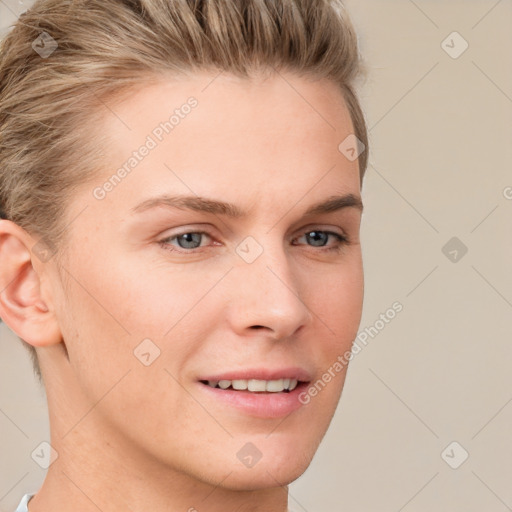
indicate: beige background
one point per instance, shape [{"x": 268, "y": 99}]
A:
[{"x": 441, "y": 155}]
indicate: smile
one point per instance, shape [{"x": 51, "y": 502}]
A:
[
  {"x": 257, "y": 392},
  {"x": 255, "y": 385}
]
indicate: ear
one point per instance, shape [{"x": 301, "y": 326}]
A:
[{"x": 22, "y": 306}]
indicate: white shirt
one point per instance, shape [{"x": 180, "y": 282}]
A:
[{"x": 22, "y": 507}]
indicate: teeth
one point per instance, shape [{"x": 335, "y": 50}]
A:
[
  {"x": 274, "y": 386},
  {"x": 239, "y": 384},
  {"x": 255, "y": 385}
]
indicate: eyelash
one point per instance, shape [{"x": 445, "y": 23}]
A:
[{"x": 342, "y": 241}]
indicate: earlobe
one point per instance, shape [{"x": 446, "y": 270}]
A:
[{"x": 22, "y": 306}]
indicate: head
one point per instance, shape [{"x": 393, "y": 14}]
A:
[{"x": 162, "y": 167}]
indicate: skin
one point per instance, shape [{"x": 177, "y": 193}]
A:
[{"x": 136, "y": 437}]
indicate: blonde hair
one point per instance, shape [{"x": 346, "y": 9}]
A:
[{"x": 99, "y": 49}]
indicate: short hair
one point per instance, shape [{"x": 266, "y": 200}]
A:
[{"x": 100, "y": 49}]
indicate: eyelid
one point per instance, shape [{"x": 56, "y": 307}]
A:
[
  {"x": 323, "y": 227},
  {"x": 192, "y": 228}
]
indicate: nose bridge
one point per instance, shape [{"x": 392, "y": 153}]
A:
[{"x": 269, "y": 291}]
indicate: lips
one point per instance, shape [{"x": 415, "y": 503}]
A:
[
  {"x": 247, "y": 403},
  {"x": 258, "y": 392}
]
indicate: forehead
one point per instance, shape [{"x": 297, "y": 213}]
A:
[
  {"x": 216, "y": 91},
  {"x": 271, "y": 140}
]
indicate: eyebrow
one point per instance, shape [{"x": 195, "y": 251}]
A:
[{"x": 205, "y": 205}]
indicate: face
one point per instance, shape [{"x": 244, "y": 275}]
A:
[{"x": 210, "y": 263}]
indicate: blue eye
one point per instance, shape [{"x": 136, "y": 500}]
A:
[
  {"x": 190, "y": 241},
  {"x": 319, "y": 239}
]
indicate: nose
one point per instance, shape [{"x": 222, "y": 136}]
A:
[{"x": 265, "y": 297}]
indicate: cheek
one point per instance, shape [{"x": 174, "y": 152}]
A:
[
  {"x": 125, "y": 304},
  {"x": 105, "y": 311},
  {"x": 338, "y": 310},
  {"x": 338, "y": 302}
]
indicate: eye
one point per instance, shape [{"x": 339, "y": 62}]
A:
[
  {"x": 190, "y": 240},
  {"x": 320, "y": 238}
]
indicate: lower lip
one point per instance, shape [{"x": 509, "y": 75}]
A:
[{"x": 261, "y": 405}]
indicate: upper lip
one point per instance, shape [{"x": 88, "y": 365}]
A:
[{"x": 296, "y": 373}]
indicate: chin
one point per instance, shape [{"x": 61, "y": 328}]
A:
[
  {"x": 277, "y": 460},
  {"x": 266, "y": 475}
]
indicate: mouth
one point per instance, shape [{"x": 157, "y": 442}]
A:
[
  {"x": 255, "y": 385},
  {"x": 257, "y": 393}
]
